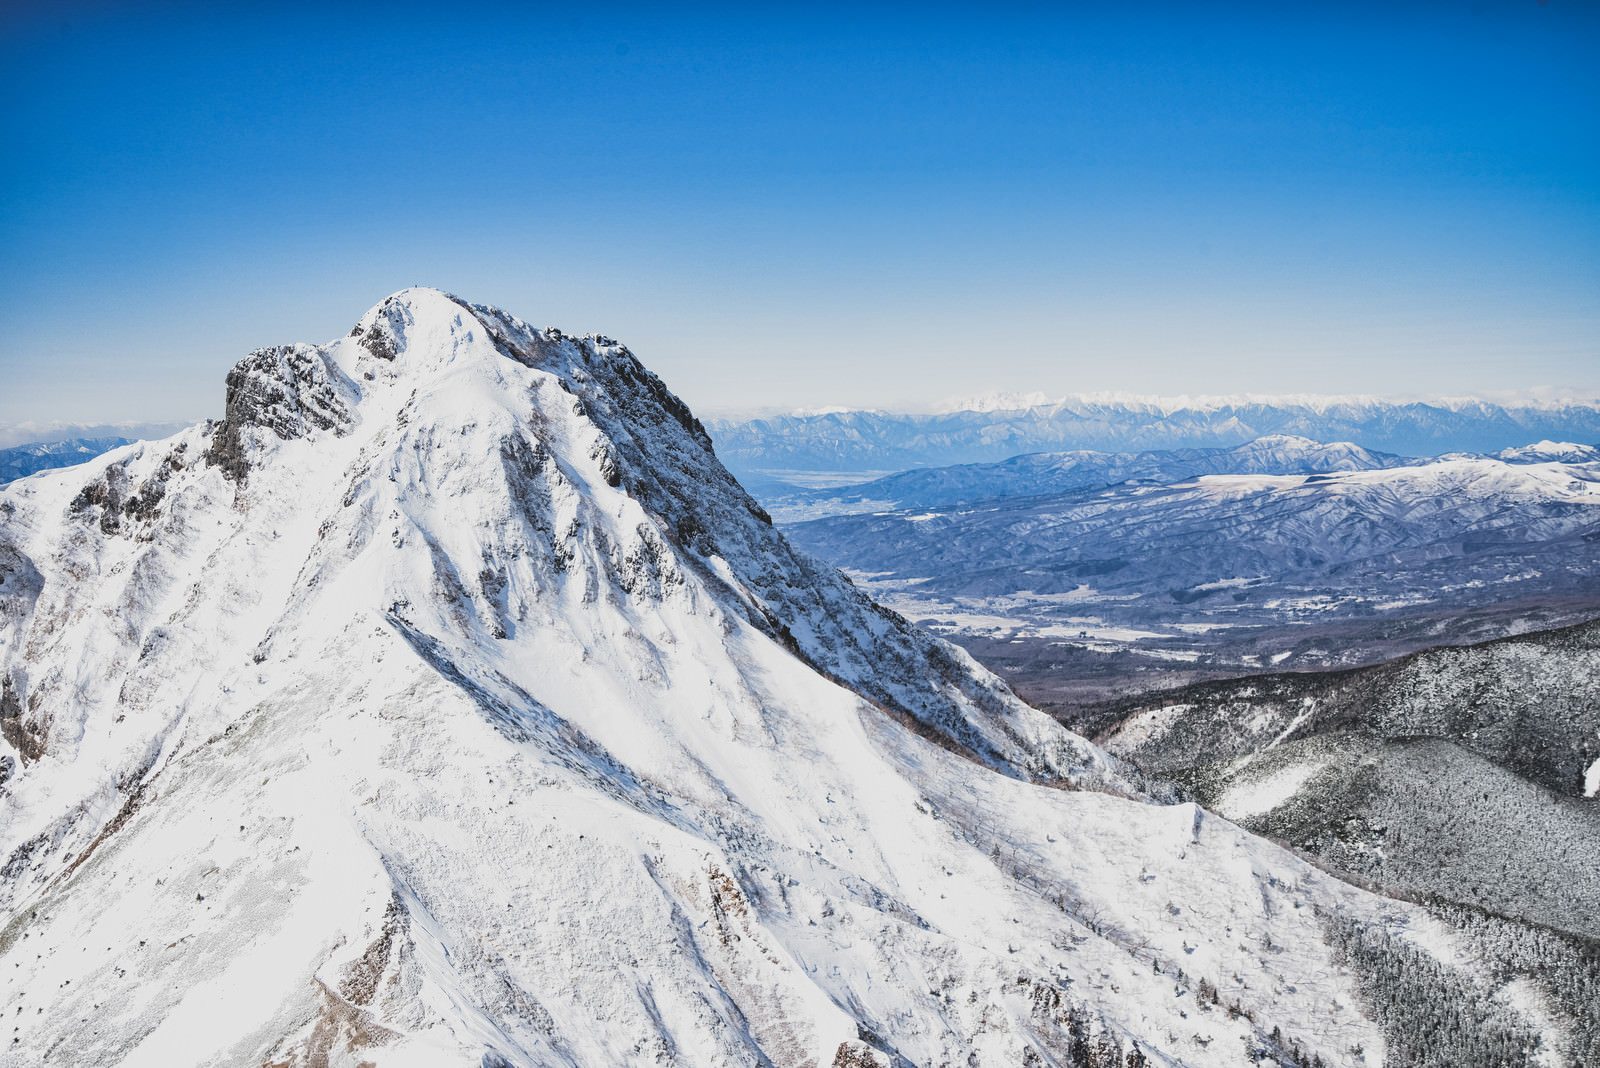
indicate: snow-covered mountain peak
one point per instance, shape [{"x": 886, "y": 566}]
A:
[
  {"x": 421, "y": 332},
  {"x": 1551, "y": 451},
  {"x": 1279, "y": 441},
  {"x": 605, "y": 476},
  {"x": 449, "y": 703},
  {"x": 293, "y": 392},
  {"x": 1316, "y": 456},
  {"x": 996, "y": 402},
  {"x": 1296, "y": 444}
]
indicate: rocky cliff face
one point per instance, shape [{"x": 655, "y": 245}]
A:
[{"x": 449, "y": 703}]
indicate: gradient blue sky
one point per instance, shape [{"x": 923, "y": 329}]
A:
[{"x": 819, "y": 205}]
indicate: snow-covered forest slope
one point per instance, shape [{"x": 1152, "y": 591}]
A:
[
  {"x": 1526, "y": 703},
  {"x": 448, "y": 703},
  {"x": 1465, "y": 776},
  {"x": 1465, "y": 772}
]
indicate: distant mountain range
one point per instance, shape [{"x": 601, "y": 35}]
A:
[
  {"x": 23, "y": 460},
  {"x": 1283, "y": 552},
  {"x": 35, "y": 432},
  {"x": 1041, "y": 473},
  {"x": 857, "y": 441}
]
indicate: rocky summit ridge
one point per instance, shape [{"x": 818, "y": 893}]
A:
[{"x": 447, "y": 702}]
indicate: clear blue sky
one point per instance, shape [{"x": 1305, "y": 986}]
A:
[{"x": 811, "y": 205}]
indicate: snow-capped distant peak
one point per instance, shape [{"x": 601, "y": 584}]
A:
[
  {"x": 997, "y": 402},
  {"x": 828, "y": 409},
  {"x": 1268, "y": 442},
  {"x": 1550, "y": 452},
  {"x": 1322, "y": 456}
]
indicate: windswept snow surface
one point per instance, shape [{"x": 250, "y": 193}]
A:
[{"x": 448, "y": 703}]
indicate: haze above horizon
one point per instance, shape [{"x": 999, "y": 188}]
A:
[{"x": 879, "y": 208}]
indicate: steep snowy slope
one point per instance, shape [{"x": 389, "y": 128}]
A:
[{"x": 448, "y": 703}]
